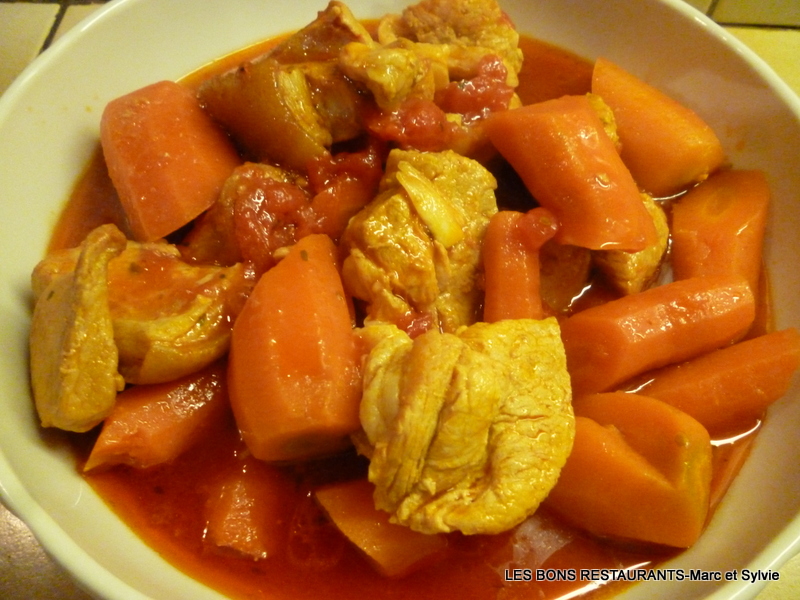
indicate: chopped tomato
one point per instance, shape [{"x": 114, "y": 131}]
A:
[
  {"x": 267, "y": 215},
  {"x": 477, "y": 97},
  {"x": 343, "y": 184},
  {"x": 416, "y": 123}
]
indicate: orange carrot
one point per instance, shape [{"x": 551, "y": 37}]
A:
[
  {"x": 639, "y": 469},
  {"x": 567, "y": 161},
  {"x": 511, "y": 263},
  {"x": 166, "y": 157},
  {"x": 612, "y": 342},
  {"x": 294, "y": 371},
  {"x": 249, "y": 510},
  {"x": 731, "y": 387},
  {"x": 718, "y": 227},
  {"x": 666, "y": 145},
  {"x": 394, "y": 550},
  {"x": 153, "y": 424}
]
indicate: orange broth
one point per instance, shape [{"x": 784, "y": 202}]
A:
[{"x": 165, "y": 505}]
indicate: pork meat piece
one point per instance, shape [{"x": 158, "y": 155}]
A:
[
  {"x": 415, "y": 249},
  {"x": 468, "y": 431},
  {"x": 73, "y": 356}
]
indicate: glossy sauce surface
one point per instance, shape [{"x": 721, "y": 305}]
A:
[{"x": 165, "y": 505}]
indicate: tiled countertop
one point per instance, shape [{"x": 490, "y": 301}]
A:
[{"x": 770, "y": 28}]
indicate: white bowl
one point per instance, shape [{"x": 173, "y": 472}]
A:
[{"x": 48, "y": 129}]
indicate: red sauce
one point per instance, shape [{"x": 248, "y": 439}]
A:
[
  {"x": 550, "y": 72},
  {"x": 94, "y": 202},
  {"x": 165, "y": 504}
]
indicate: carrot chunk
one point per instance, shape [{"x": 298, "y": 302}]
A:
[
  {"x": 666, "y": 145},
  {"x": 166, "y": 157},
  {"x": 718, "y": 227},
  {"x": 733, "y": 386},
  {"x": 153, "y": 424},
  {"x": 612, "y": 342},
  {"x": 294, "y": 371},
  {"x": 511, "y": 263},
  {"x": 249, "y": 510},
  {"x": 567, "y": 161},
  {"x": 394, "y": 550},
  {"x": 639, "y": 469}
]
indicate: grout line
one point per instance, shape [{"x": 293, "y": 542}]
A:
[
  {"x": 764, "y": 26},
  {"x": 63, "y": 5},
  {"x": 62, "y": 10}
]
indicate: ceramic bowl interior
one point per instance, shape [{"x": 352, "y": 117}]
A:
[{"x": 48, "y": 130}]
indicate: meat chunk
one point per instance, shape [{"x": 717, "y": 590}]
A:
[
  {"x": 323, "y": 38},
  {"x": 466, "y": 431},
  {"x": 398, "y": 72},
  {"x": 431, "y": 44},
  {"x": 607, "y": 118},
  {"x": 169, "y": 318},
  {"x": 289, "y": 105},
  {"x": 415, "y": 249},
  {"x": 268, "y": 109},
  {"x": 469, "y": 30},
  {"x": 73, "y": 355},
  {"x": 632, "y": 272},
  {"x": 564, "y": 274}
]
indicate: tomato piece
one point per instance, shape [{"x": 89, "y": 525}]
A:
[
  {"x": 267, "y": 216},
  {"x": 477, "y": 97}
]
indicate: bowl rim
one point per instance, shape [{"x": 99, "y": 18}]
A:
[{"x": 85, "y": 571}]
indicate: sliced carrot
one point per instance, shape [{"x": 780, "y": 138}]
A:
[
  {"x": 731, "y": 387},
  {"x": 567, "y": 161},
  {"x": 294, "y": 371},
  {"x": 249, "y": 510},
  {"x": 718, "y": 227},
  {"x": 666, "y": 145},
  {"x": 394, "y": 550},
  {"x": 612, "y": 342},
  {"x": 153, "y": 424},
  {"x": 166, "y": 157},
  {"x": 639, "y": 469},
  {"x": 511, "y": 263}
]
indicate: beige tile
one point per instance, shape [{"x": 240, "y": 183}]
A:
[
  {"x": 780, "y": 49},
  {"x": 788, "y": 586},
  {"x": 701, "y": 5},
  {"x": 23, "y": 28},
  {"x": 73, "y": 16},
  {"x": 758, "y": 12}
]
